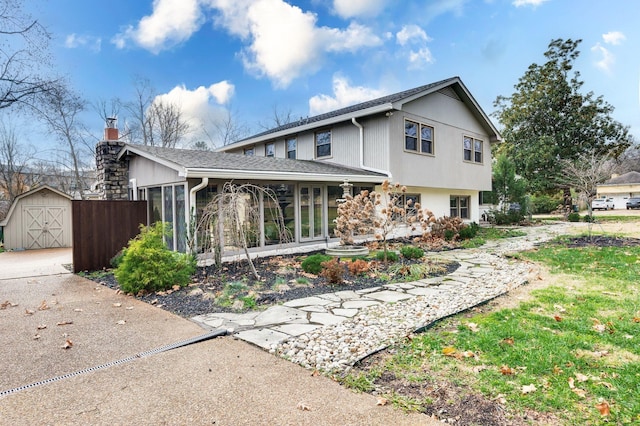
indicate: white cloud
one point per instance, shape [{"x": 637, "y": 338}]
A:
[
  {"x": 343, "y": 96},
  {"x": 201, "y": 107},
  {"x": 74, "y": 41},
  {"x": 419, "y": 58},
  {"x": 358, "y": 8},
  {"x": 283, "y": 40},
  {"x": 411, "y": 32},
  {"x": 613, "y": 37},
  {"x": 607, "y": 58},
  {"x": 171, "y": 22},
  {"x": 533, "y": 3}
]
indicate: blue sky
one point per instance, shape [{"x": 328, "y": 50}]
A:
[{"x": 249, "y": 56}]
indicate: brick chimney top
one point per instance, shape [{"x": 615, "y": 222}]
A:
[{"x": 111, "y": 131}]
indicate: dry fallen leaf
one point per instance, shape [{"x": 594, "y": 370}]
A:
[
  {"x": 581, "y": 377},
  {"x": 302, "y": 406},
  {"x": 42, "y": 326},
  {"x": 600, "y": 328},
  {"x": 315, "y": 373},
  {"x": 36, "y": 337},
  {"x": 468, "y": 354},
  {"x": 128, "y": 308},
  {"x": 382, "y": 401},
  {"x": 580, "y": 392},
  {"x": 176, "y": 287},
  {"x": 77, "y": 310},
  {"x": 65, "y": 323},
  {"x": 571, "y": 383},
  {"x": 606, "y": 385},
  {"x": 559, "y": 308},
  {"x": 43, "y": 306},
  {"x": 604, "y": 408},
  {"x": 6, "y": 304},
  {"x": 557, "y": 370},
  {"x": 557, "y": 318},
  {"x": 449, "y": 351},
  {"x": 501, "y": 399},
  {"x": 526, "y": 389},
  {"x": 28, "y": 312},
  {"x": 508, "y": 341},
  {"x": 506, "y": 370},
  {"x": 117, "y": 305},
  {"x": 473, "y": 327},
  {"x": 68, "y": 344},
  {"x": 121, "y": 322}
]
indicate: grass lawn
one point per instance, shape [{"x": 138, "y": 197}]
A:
[{"x": 571, "y": 350}]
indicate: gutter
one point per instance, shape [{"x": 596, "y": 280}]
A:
[
  {"x": 362, "y": 166},
  {"x": 192, "y": 202}
]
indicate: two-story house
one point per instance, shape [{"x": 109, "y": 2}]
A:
[{"x": 434, "y": 139}]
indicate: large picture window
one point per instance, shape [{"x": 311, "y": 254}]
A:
[
  {"x": 323, "y": 144},
  {"x": 459, "y": 206},
  {"x": 418, "y": 137},
  {"x": 472, "y": 149}
]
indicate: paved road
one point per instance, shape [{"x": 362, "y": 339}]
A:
[{"x": 221, "y": 381}]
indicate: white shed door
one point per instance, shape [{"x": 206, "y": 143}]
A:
[{"x": 44, "y": 227}]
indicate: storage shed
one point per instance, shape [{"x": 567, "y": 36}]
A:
[{"x": 38, "y": 219}]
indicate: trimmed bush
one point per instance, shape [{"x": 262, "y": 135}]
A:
[
  {"x": 588, "y": 218},
  {"x": 148, "y": 265},
  {"x": 333, "y": 271},
  {"x": 574, "y": 217},
  {"x": 449, "y": 234},
  {"x": 313, "y": 264},
  {"x": 469, "y": 231},
  {"x": 411, "y": 252},
  {"x": 392, "y": 256}
]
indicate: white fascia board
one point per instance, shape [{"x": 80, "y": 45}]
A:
[
  {"x": 272, "y": 175},
  {"x": 310, "y": 126}
]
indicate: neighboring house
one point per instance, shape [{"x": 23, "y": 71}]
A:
[
  {"x": 37, "y": 219},
  {"x": 434, "y": 139},
  {"x": 620, "y": 188}
]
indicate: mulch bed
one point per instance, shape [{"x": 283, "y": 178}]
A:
[{"x": 281, "y": 279}]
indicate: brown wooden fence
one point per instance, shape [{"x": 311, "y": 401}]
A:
[{"x": 102, "y": 228}]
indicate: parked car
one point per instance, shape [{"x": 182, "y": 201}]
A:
[
  {"x": 633, "y": 203},
  {"x": 602, "y": 204}
]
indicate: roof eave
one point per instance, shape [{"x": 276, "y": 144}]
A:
[
  {"x": 128, "y": 149},
  {"x": 279, "y": 175},
  {"x": 309, "y": 126}
]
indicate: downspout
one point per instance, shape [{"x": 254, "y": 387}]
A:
[
  {"x": 134, "y": 188},
  {"x": 192, "y": 206},
  {"x": 362, "y": 166}
]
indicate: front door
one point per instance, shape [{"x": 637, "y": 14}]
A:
[{"x": 311, "y": 212}]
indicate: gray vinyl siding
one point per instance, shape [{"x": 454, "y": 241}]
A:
[
  {"x": 150, "y": 173},
  {"x": 446, "y": 168},
  {"x": 376, "y": 147}
]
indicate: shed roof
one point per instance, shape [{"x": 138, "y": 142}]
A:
[
  {"x": 197, "y": 164},
  {"x": 28, "y": 194}
]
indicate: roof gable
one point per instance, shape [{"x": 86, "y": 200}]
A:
[
  {"x": 629, "y": 178},
  {"x": 450, "y": 87},
  {"x": 29, "y": 193}
]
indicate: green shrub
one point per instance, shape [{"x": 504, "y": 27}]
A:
[
  {"x": 509, "y": 218},
  {"x": 313, "y": 264},
  {"x": 148, "y": 265},
  {"x": 574, "y": 217},
  {"x": 544, "y": 204},
  {"x": 589, "y": 218},
  {"x": 392, "y": 256},
  {"x": 449, "y": 234},
  {"x": 411, "y": 252},
  {"x": 469, "y": 231}
]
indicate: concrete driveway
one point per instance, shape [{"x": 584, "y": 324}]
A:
[
  {"x": 220, "y": 381},
  {"x": 35, "y": 263}
]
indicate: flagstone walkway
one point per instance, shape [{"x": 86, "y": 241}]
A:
[{"x": 333, "y": 330}]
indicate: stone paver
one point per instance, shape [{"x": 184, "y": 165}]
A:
[{"x": 339, "y": 328}]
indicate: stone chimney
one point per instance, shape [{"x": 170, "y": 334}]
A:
[{"x": 113, "y": 174}]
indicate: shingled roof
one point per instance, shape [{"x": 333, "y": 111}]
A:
[
  {"x": 196, "y": 163},
  {"x": 373, "y": 106},
  {"x": 625, "y": 179}
]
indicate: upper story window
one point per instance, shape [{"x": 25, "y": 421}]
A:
[
  {"x": 323, "y": 144},
  {"x": 270, "y": 149},
  {"x": 249, "y": 152},
  {"x": 292, "y": 146},
  {"x": 418, "y": 137},
  {"x": 472, "y": 149}
]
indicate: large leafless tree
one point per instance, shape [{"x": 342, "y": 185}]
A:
[
  {"x": 14, "y": 163},
  {"x": 23, "y": 55}
]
